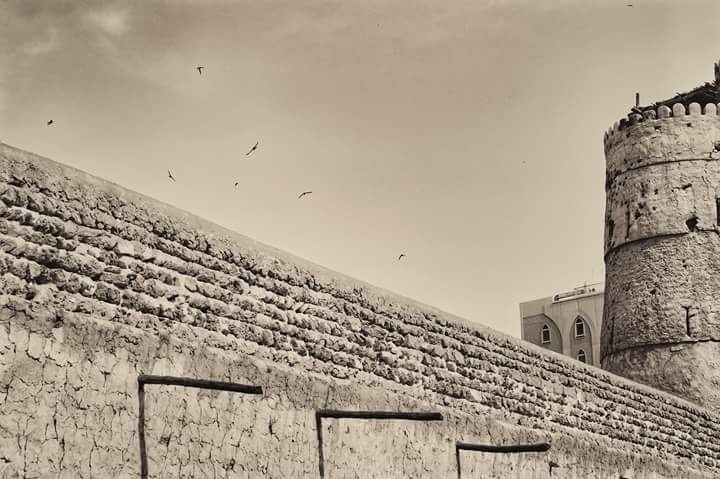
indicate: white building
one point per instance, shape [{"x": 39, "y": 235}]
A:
[{"x": 567, "y": 323}]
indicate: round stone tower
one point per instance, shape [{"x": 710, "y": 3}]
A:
[{"x": 661, "y": 323}]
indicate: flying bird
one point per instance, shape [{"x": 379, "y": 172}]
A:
[
  {"x": 200, "y": 69},
  {"x": 237, "y": 183},
  {"x": 253, "y": 148},
  {"x": 401, "y": 256},
  {"x": 304, "y": 193},
  {"x": 170, "y": 176},
  {"x": 50, "y": 122}
]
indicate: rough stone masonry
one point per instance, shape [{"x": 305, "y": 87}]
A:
[
  {"x": 100, "y": 285},
  {"x": 661, "y": 321}
]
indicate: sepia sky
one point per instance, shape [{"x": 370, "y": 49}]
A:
[{"x": 465, "y": 134}]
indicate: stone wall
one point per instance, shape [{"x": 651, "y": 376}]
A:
[
  {"x": 100, "y": 285},
  {"x": 662, "y": 251}
]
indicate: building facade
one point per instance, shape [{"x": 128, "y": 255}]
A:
[{"x": 568, "y": 323}]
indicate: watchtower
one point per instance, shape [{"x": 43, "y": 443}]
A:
[{"x": 661, "y": 321}]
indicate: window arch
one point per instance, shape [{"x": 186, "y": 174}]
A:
[
  {"x": 580, "y": 328},
  {"x": 581, "y": 356},
  {"x": 545, "y": 334}
]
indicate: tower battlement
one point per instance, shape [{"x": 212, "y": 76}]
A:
[
  {"x": 678, "y": 111},
  {"x": 703, "y": 100}
]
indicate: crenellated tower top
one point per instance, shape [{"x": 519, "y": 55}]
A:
[{"x": 704, "y": 99}]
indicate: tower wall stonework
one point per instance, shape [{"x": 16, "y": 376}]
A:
[{"x": 661, "y": 321}]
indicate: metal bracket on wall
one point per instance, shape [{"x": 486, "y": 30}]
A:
[
  {"x": 381, "y": 415},
  {"x": 178, "y": 381},
  {"x": 516, "y": 448}
]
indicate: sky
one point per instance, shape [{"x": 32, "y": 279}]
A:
[{"x": 464, "y": 134}]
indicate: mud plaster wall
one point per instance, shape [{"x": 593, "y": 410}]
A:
[
  {"x": 662, "y": 252},
  {"x": 99, "y": 285}
]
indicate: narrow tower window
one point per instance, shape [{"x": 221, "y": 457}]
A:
[
  {"x": 545, "y": 336},
  {"x": 579, "y": 328},
  {"x": 688, "y": 316},
  {"x": 581, "y": 356}
]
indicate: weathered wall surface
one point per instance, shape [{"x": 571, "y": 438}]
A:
[
  {"x": 99, "y": 285},
  {"x": 662, "y": 252}
]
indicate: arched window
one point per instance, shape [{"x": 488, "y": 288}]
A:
[
  {"x": 581, "y": 356},
  {"x": 579, "y": 328},
  {"x": 545, "y": 336}
]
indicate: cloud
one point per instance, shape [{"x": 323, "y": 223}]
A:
[
  {"x": 45, "y": 44},
  {"x": 2, "y": 99},
  {"x": 110, "y": 20},
  {"x": 38, "y": 9}
]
